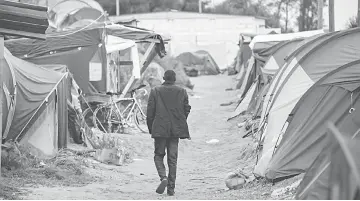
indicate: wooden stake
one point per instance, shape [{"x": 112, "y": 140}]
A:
[
  {"x": 331, "y": 16},
  {"x": 2, "y": 65}
]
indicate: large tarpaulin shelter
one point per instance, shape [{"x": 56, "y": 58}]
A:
[
  {"x": 308, "y": 64},
  {"x": 35, "y": 105},
  {"x": 201, "y": 61},
  {"x": 92, "y": 45},
  {"x": 333, "y": 173}
]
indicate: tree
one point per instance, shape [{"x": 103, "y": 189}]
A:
[
  {"x": 352, "y": 23},
  {"x": 308, "y": 15}
]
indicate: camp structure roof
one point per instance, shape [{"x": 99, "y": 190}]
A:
[
  {"x": 311, "y": 62},
  {"x": 264, "y": 41},
  {"x": 333, "y": 175},
  {"x": 32, "y": 93},
  {"x": 20, "y": 19},
  {"x": 67, "y": 49}
]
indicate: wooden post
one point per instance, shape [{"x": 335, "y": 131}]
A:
[
  {"x": 2, "y": 63},
  {"x": 320, "y": 13},
  {"x": 143, "y": 68},
  {"x": 117, "y": 7},
  {"x": 331, "y": 16}
]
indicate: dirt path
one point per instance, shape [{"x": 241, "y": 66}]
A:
[{"x": 201, "y": 166}]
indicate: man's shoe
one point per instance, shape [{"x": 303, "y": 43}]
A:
[
  {"x": 161, "y": 188},
  {"x": 170, "y": 193}
]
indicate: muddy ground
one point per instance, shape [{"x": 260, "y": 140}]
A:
[{"x": 202, "y": 167}]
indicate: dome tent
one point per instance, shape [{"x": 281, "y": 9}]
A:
[
  {"x": 310, "y": 62},
  {"x": 200, "y": 61}
]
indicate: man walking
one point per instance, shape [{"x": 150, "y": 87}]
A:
[{"x": 167, "y": 112}]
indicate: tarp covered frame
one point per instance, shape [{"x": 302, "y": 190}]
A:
[{"x": 37, "y": 98}]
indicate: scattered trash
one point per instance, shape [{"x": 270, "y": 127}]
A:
[
  {"x": 227, "y": 104},
  {"x": 114, "y": 156},
  {"x": 213, "y": 141},
  {"x": 241, "y": 124},
  {"x": 142, "y": 174},
  {"x": 285, "y": 191},
  {"x": 235, "y": 181}
]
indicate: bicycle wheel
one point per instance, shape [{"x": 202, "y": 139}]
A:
[
  {"x": 140, "y": 120},
  {"x": 88, "y": 117},
  {"x": 107, "y": 119}
]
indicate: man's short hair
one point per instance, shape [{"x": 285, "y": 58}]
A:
[{"x": 170, "y": 75}]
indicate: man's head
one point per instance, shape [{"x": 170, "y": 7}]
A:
[{"x": 170, "y": 76}]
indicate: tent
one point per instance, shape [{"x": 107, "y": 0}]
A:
[
  {"x": 266, "y": 63},
  {"x": 34, "y": 109},
  {"x": 311, "y": 62},
  {"x": 333, "y": 174},
  {"x": 328, "y": 99},
  {"x": 201, "y": 61},
  {"x": 264, "y": 41}
]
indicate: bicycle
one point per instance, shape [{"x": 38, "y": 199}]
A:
[{"x": 109, "y": 118}]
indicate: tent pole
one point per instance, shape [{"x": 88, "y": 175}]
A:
[{"x": 1, "y": 88}]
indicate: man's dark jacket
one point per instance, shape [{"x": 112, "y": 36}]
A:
[{"x": 169, "y": 121}]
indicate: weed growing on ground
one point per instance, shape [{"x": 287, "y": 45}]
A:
[{"x": 21, "y": 169}]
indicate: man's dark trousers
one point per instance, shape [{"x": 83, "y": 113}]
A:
[{"x": 171, "y": 147}]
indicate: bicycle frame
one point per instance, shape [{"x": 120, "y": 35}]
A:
[{"x": 134, "y": 103}]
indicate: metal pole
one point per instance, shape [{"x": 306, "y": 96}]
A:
[
  {"x": 117, "y": 7},
  {"x": 200, "y": 6},
  {"x": 2, "y": 65},
  {"x": 331, "y": 16},
  {"x": 320, "y": 13},
  {"x": 358, "y": 14}
]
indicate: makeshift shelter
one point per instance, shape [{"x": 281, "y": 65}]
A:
[
  {"x": 34, "y": 108},
  {"x": 333, "y": 174},
  {"x": 94, "y": 72},
  {"x": 308, "y": 64},
  {"x": 201, "y": 61}
]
